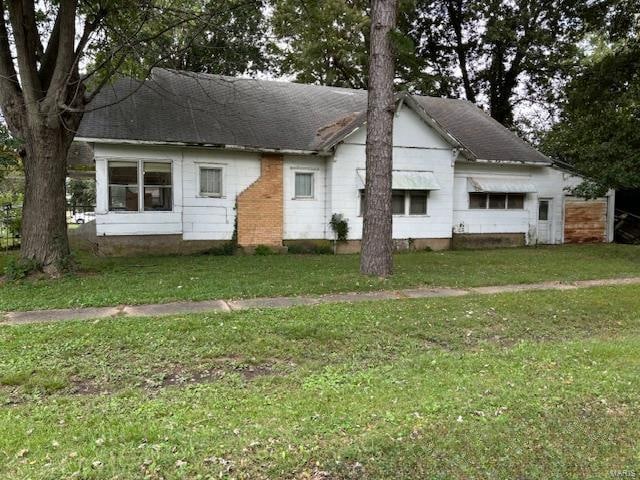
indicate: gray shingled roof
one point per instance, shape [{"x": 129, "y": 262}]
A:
[
  {"x": 477, "y": 131},
  {"x": 202, "y": 109}
]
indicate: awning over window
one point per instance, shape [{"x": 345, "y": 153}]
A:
[
  {"x": 407, "y": 180},
  {"x": 495, "y": 185}
]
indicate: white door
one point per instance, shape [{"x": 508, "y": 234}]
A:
[{"x": 544, "y": 221}]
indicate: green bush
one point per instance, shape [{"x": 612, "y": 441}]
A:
[
  {"x": 262, "y": 250},
  {"x": 18, "y": 268},
  {"x": 340, "y": 227}
]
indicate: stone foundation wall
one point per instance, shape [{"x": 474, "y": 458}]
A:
[{"x": 462, "y": 241}]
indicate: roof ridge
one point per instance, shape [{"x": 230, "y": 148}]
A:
[{"x": 272, "y": 81}]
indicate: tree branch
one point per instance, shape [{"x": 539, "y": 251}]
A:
[
  {"x": 23, "y": 23},
  {"x": 65, "y": 58},
  {"x": 48, "y": 59},
  {"x": 10, "y": 92}
]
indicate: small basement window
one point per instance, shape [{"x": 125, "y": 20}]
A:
[
  {"x": 496, "y": 201},
  {"x": 304, "y": 185},
  {"x": 210, "y": 181}
]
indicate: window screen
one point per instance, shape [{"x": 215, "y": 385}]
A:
[
  {"x": 515, "y": 201},
  {"x": 497, "y": 200},
  {"x": 418, "y": 203},
  {"x": 211, "y": 181},
  {"x": 304, "y": 185},
  {"x": 123, "y": 186},
  {"x": 397, "y": 202},
  {"x": 477, "y": 200}
]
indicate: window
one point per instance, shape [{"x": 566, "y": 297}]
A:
[
  {"x": 139, "y": 186},
  {"x": 496, "y": 201},
  {"x": 397, "y": 202},
  {"x": 515, "y": 201},
  {"x": 157, "y": 186},
  {"x": 414, "y": 200},
  {"x": 123, "y": 186},
  {"x": 211, "y": 181},
  {"x": 304, "y": 185},
  {"x": 543, "y": 210},
  {"x": 477, "y": 200},
  {"x": 418, "y": 203}
]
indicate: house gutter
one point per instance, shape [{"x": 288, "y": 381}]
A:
[
  {"x": 513, "y": 162},
  {"x": 217, "y": 146}
]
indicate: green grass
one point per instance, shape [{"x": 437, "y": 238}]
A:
[
  {"x": 527, "y": 385},
  {"x": 112, "y": 281}
]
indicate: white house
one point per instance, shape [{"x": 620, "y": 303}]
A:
[{"x": 186, "y": 160}]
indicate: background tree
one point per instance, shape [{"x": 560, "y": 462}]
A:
[
  {"x": 599, "y": 130},
  {"x": 43, "y": 94},
  {"x": 81, "y": 192},
  {"x": 327, "y": 43},
  {"x": 232, "y": 42},
  {"x": 502, "y": 53},
  {"x": 9, "y": 158},
  {"x": 377, "y": 244}
]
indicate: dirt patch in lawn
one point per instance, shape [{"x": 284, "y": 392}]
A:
[{"x": 178, "y": 375}]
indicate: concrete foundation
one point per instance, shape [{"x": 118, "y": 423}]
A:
[
  {"x": 462, "y": 241},
  {"x": 353, "y": 246},
  {"x": 84, "y": 238}
]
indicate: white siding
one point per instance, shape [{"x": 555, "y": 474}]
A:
[
  {"x": 137, "y": 223},
  {"x": 193, "y": 216},
  {"x": 209, "y": 218},
  {"x": 416, "y": 147},
  {"x": 550, "y": 184},
  {"x": 305, "y": 218},
  {"x": 336, "y": 190}
]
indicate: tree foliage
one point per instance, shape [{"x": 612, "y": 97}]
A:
[
  {"x": 224, "y": 37},
  {"x": 496, "y": 53},
  {"x": 9, "y": 157},
  {"x": 503, "y": 52},
  {"x": 327, "y": 43},
  {"x": 599, "y": 130},
  {"x": 81, "y": 192}
]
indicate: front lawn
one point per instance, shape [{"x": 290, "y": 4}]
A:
[
  {"x": 526, "y": 385},
  {"x": 113, "y": 281}
]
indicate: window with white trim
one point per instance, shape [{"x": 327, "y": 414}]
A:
[
  {"x": 303, "y": 185},
  {"x": 402, "y": 201},
  {"x": 210, "y": 181},
  {"x": 123, "y": 186},
  {"x": 157, "y": 187},
  {"x": 496, "y": 201},
  {"x": 138, "y": 185}
]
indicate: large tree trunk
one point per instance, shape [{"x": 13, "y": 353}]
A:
[
  {"x": 44, "y": 228},
  {"x": 377, "y": 243}
]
